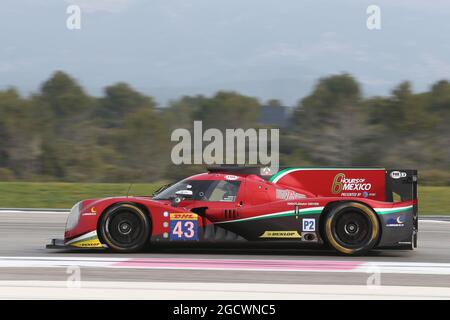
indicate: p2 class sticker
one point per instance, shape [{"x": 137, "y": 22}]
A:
[
  {"x": 183, "y": 226},
  {"x": 309, "y": 225}
]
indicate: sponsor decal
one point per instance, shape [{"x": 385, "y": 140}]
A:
[
  {"x": 288, "y": 195},
  {"x": 183, "y": 216},
  {"x": 398, "y": 174},
  {"x": 341, "y": 183},
  {"x": 91, "y": 212},
  {"x": 281, "y": 234},
  {"x": 183, "y": 226},
  {"x": 231, "y": 177},
  {"x": 92, "y": 243},
  {"x": 88, "y": 240},
  {"x": 396, "y": 222},
  {"x": 309, "y": 225},
  {"x": 308, "y": 204}
]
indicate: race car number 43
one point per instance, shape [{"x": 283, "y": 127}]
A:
[{"x": 183, "y": 226}]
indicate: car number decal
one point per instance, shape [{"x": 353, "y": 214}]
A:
[{"x": 183, "y": 226}]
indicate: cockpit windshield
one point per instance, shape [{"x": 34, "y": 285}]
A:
[{"x": 203, "y": 190}]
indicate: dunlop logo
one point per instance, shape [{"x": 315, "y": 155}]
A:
[{"x": 281, "y": 234}]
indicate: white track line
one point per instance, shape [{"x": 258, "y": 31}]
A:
[
  {"x": 33, "y": 212},
  {"x": 434, "y": 221},
  {"x": 208, "y": 291},
  {"x": 229, "y": 265}
]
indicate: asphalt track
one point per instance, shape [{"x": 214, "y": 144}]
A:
[{"x": 28, "y": 270}]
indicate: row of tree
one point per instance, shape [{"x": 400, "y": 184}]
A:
[{"x": 62, "y": 133}]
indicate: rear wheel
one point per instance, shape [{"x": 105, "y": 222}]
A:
[
  {"x": 125, "y": 228},
  {"x": 352, "y": 228}
]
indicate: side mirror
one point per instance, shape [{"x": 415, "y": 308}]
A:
[{"x": 180, "y": 195}]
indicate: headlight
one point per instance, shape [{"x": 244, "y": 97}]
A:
[{"x": 74, "y": 217}]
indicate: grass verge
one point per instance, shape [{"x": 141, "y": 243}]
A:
[{"x": 63, "y": 195}]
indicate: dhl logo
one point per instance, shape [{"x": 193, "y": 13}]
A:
[{"x": 183, "y": 216}]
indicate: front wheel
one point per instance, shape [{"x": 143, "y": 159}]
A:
[
  {"x": 125, "y": 228},
  {"x": 352, "y": 228}
]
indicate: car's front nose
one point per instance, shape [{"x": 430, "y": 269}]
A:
[
  {"x": 81, "y": 225},
  {"x": 74, "y": 216}
]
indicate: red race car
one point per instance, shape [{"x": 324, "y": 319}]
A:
[{"x": 352, "y": 210}]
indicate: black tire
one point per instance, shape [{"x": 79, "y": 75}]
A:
[
  {"x": 125, "y": 228},
  {"x": 352, "y": 228}
]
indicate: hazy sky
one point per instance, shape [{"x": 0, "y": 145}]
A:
[{"x": 264, "y": 48}]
